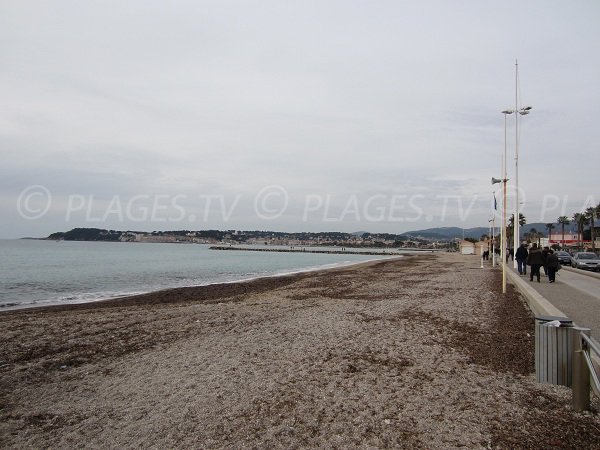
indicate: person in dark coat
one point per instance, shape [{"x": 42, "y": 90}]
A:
[
  {"x": 521, "y": 256},
  {"x": 552, "y": 265},
  {"x": 534, "y": 259},
  {"x": 510, "y": 253},
  {"x": 545, "y": 252}
]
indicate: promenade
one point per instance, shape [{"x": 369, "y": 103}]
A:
[{"x": 575, "y": 294}]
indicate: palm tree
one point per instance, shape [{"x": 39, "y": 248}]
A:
[
  {"x": 562, "y": 221},
  {"x": 590, "y": 214},
  {"x": 509, "y": 231},
  {"x": 539, "y": 235},
  {"x": 598, "y": 210},
  {"x": 511, "y": 226},
  {"x": 533, "y": 236},
  {"x": 581, "y": 220},
  {"x": 550, "y": 227}
]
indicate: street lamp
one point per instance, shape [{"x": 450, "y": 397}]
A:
[
  {"x": 492, "y": 247},
  {"x": 503, "y": 230},
  {"x": 506, "y": 112},
  {"x": 516, "y": 240},
  {"x": 521, "y": 112}
]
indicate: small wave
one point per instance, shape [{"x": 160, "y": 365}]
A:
[
  {"x": 70, "y": 294},
  {"x": 319, "y": 267},
  {"x": 85, "y": 297},
  {"x": 8, "y": 305}
]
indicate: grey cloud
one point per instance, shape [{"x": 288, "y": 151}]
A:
[{"x": 339, "y": 98}]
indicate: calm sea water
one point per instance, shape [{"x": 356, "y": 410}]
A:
[{"x": 37, "y": 273}]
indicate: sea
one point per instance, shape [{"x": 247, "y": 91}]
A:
[{"x": 41, "y": 272}]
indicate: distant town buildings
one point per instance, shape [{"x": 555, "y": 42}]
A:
[
  {"x": 354, "y": 240},
  {"x": 569, "y": 239}
]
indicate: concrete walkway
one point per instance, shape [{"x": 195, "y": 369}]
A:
[{"x": 575, "y": 294}]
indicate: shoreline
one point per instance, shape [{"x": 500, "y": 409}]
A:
[
  {"x": 195, "y": 289},
  {"x": 406, "y": 353},
  {"x": 331, "y": 266}
]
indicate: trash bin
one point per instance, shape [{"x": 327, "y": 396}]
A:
[{"x": 553, "y": 350}]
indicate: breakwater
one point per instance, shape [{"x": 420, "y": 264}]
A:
[{"x": 300, "y": 249}]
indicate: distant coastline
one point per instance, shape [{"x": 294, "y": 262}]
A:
[
  {"x": 431, "y": 238},
  {"x": 258, "y": 238}
]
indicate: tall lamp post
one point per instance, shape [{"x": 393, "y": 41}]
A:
[
  {"x": 503, "y": 230},
  {"x": 492, "y": 222},
  {"x": 506, "y": 113},
  {"x": 520, "y": 112}
]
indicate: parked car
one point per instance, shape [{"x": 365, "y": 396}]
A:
[
  {"x": 586, "y": 260},
  {"x": 564, "y": 258}
]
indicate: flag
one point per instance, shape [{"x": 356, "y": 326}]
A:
[{"x": 495, "y": 203}]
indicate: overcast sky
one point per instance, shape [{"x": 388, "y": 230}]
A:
[{"x": 383, "y": 116}]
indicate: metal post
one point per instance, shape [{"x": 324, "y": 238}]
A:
[
  {"x": 581, "y": 375},
  {"x": 494, "y": 240},
  {"x": 503, "y": 233},
  {"x": 503, "y": 249},
  {"x": 516, "y": 224},
  {"x": 518, "y": 112}
]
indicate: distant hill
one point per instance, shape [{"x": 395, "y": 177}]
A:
[
  {"x": 541, "y": 227},
  {"x": 445, "y": 233}
]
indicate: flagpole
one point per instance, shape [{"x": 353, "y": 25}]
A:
[
  {"x": 494, "y": 230},
  {"x": 516, "y": 224},
  {"x": 494, "y": 240}
]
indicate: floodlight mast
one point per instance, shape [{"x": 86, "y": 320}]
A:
[{"x": 521, "y": 112}]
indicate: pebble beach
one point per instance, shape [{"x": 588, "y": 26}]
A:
[{"x": 415, "y": 352}]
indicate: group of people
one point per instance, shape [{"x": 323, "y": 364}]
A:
[{"x": 537, "y": 258}]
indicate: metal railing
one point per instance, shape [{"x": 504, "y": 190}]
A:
[{"x": 584, "y": 370}]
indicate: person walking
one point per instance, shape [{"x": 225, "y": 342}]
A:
[
  {"x": 552, "y": 265},
  {"x": 510, "y": 253},
  {"x": 534, "y": 259},
  {"x": 545, "y": 252},
  {"x": 521, "y": 256}
]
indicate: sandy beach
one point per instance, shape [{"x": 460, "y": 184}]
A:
[{"x": 417, "y": 352}]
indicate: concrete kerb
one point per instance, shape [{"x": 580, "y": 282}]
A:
[
  {"x": 537, "y": 303},
  {"x": 583, "y": 272}
]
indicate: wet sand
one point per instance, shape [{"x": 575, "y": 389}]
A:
[{"x": 418, "y": 352}]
